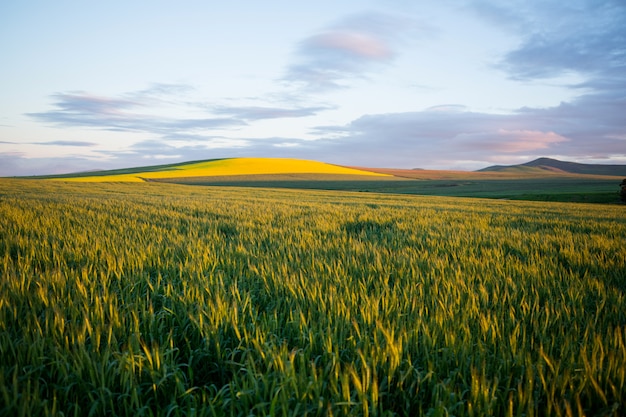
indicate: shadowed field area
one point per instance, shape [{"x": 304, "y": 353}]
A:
[{"x": 572, "y": 188}]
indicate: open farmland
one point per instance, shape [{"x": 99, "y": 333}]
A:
[
  {"x": 162, "y": 299},
  {"x": 516, "y": 183}
]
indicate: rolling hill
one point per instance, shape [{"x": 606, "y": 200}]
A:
[
  {"x": 217, "y": 168},
  {"x": 562, "y": 167}
]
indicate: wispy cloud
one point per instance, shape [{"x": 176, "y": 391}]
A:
[
  {"x": 149, "y": 111},
  {"x": 351, "y": 48},
  {"x": 67, "y": 143},
  {"x": 250, "y": 113},
  {"x": 86, "y": 110},
  {"x": 162, "y": 91}
]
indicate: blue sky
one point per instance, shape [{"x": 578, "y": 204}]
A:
[{"x": 450, "y": 84}]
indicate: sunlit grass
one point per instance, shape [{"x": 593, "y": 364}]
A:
[
  {"x": 233, "y": 166},
  {"x": 159, "y": 299}
]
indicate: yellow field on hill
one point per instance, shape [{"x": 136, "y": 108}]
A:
[{"x": 232, "y": 166}]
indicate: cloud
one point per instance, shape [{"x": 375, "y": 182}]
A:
[
  {"x": 162, "y": 90},
  {"x": 66, "y": 143},
  {"x": 351, "y": 44},
  {"x": 250, "y": 113},
  {"x": 591, "y": 126},
  {"x": 510, "y": 17},
  {"x": 350, "y": 49},
  {"x": 150, "y": 110},
  {"x": 447, "y": 108},
  {"x": 117, "y": 114},
  {"x": 17, "y": 164},
  {"x": 509, "y": 141},
  {"x": 439, "y": 137},
  {"x": 190, "y": 146},
  {"x": 585, "y": 37}
]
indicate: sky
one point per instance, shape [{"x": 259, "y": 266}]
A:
[{"x": 447, "y": 84}]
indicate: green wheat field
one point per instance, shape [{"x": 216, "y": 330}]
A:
[{"x": 154, "y": 299}]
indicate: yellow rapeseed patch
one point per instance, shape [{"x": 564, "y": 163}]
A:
[{"x": 232, "y": 166}]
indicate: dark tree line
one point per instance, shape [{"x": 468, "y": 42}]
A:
[{"x": 622, "y": 193}]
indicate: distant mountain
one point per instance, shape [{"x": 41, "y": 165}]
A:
[{"x": 556, "y": 166}]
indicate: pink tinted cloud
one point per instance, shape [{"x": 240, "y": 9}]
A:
[
  {"x": 358, "y": 44},
  {"x": 511, "y": 141},
  {"x": 354, "y": 47}
]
